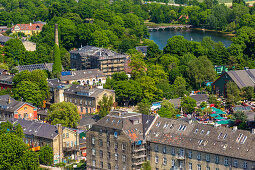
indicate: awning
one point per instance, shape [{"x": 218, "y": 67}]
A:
[
  {"x": 224, "y": 122},
  {"x": 214, "y": 115},
  {"x": 218, "y": 111},
  {"x": 219, "y": 117}
]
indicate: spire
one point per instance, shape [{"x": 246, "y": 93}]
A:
[{"x": 56, "y": 34}]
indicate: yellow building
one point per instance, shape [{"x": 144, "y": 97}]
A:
[{"x": 27, "y": 29}]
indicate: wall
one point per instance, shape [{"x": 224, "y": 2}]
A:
[{"x": 26, "y": 109}]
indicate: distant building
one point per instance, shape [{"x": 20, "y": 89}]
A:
[
  {"x": 64, "y": 141},
  {"x": 142, "y": 49},
  {"x": 5, "y": 80},
  {"x": 11, "y": 108},
  {"x": 200, "y": 98},
  {"x": 45, "y": 66},
  {"x": 84, "y": 77},
  {"x": 220, "y": 69},
  {"x": 86, "y": 98},
  {"x": 90, "y": 57},
  {"x": 3, "y": 29},
  {"x": 87, "y": 120},
  {"x": 242, "y": 78},
  {"x": 4, "y": 39},
  {"x": 27, "y": 29}
]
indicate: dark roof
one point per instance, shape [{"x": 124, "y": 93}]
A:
[
  {"x": 4, "y": 39},
  {"x": 45, "y": 66},
  {"x": 56, "y": 83},
  {"x": 200, "y": 97},
  {"x": 142, "y": 49},
  {"x": 204, "y": 138},
  {"x": 85, "y": 90},
  {"x": 2, "y": 70},
  {"x": 82, "y": 74},
  {"x": 176, "y": 102},
  {"x": 88, "y": 119},
  {"x": 101, "y": 53},
  {"x": 9, "y": 104},
  {"x": 36, "y": 128},
  {"x": 4, "y": 78},
  {"x": 243, "y": 78}
]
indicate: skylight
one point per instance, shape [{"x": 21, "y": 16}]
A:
[
  {"x": 224, "y": 137},
  {"x": 243, "y": 140},
  {"x": 208, "y": 132},
  {"x": 196, "y": 131},
  {"x": 202, "y": 132},
  {"x": 182, "y": 128},
  {"x": 219, "y": 135},
  {"x": 239, "y": 137},
  {"x": 200, "y": 142}
]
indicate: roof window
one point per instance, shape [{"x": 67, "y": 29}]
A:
[
  {"x": 239, "y": 138},
  {"x": 243, "y": 140},
  {"x": 208, "y": 132},
  {"x": 224, "y": 137},
  {"x": 182, "y": 128},
  {"x": 202, "y": 132},
  {"x": 219, "y": 135},
  {"x": 200, "y": 141},
  {"x": 158, "y": 124},
  {"x": 196, "y": 131}
]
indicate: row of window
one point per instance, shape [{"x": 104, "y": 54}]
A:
[
  {"x": 70, "y": 144},
  {"x": 100, "y": 142},
  {"x": 226, "y": 163},
  {"x": 87, "y": 103},
  {"x": 108, "y": 165},
  {"x": 101, "y": 155}
]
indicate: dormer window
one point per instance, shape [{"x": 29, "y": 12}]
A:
[
  {"x": 224, "y": 137},
  {"x": 202, "y": 132},
  {"x": 219, "y": 135},
  {"x": 196, "y": 131}
]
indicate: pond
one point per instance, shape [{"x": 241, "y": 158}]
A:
[{"x": 160, "y": 37}]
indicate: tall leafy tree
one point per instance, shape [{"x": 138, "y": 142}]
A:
[
  {"x": 188, "y": 104},
  {"x": 57, "y": 67},
  {"x": 46, "y": 155},
  {"x": 233, "y": 93},
  {"x": 64, "y": 113},
  {"x": 167, "y": 109},
  {"x": 105, "y": 105}
]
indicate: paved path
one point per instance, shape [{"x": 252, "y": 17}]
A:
[{"x": 50, "y": 167}]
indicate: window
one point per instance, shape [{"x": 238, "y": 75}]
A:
[
  {"x": 207, "y": 158},
  {"x": 94, "y": 163},
  {"x": 173, "y": 162},
  {"x": 67, "y": 135},
  {"x": 101, "y": 165},
  {"x": 71, "y": 143},
  {"x": 196, "y": 131},
  {"x": 190, "y": 154},
  {"x": 81, "y": 109},
  {"x": 156, "y": 159},
  {"x": 190, "y": 166},
  {"x": 156, "y": 148},
  {"x": 224, "y": 137},
  {"x": 124, "y": 158},
  {"x": 219, "y": 135},
  {"x": 245, "y": 165},
  {"x": 217, "y": 159},
  {"x": 80, "y": 101},
  {"x": 116, "y": 134},
  {"x": 116, "y": 167},
  {"x": 198, "y": 167},
  {"x": 93, "y": 140},
  {"x": 100, "y": 142},
  {"x": 101, "y": 154},
  {"x": 93, "y": 151},
  {"x": 124, "y": 167},
  {"x": 208, "y": 132},
  {"x": 109, "y": 166},
  {"x": 116, "y": 145},
  {"x": 100, "y": 132},
  {"x": 181, "y": 152},
  {"x": 217, "y": 169},
  {"x": 108, "y": 144},
  {"x": 116, "y": 156},
  {"x": 243, "y": 140},
  {"x": 226, "y": 161},
  {"x": 173, "y": 151},
  {"x": 63, "y": 135},
  {"x": 235, "y": 163},
  {"x": 207, "y": 168},
  {"x": 202, "y": 132},
  {"x": 108, "y": 155},
  {"x": 164, "y": 149},
  {"x": 198, "y": 156},
  {"x": 67, "y": 144},
  {"x": 164, "y": 161},
  {"x": 25, "y": 108},
  {"x": 123, "y": 146}
]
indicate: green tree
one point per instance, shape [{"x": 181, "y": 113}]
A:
[
  {"x": 233, "y": 93},
  {"x": 188, "y": 104},
  {"x": 5, "y": 127},
  {"x": 19, "y": 131},
  {"x": 247, "y": 93},
  {"x": 167, "y": 109},
  {"x": 14, "y": 153},
  {"x": 57, "y": 67},
  {"x": 46, "y": 155},
  {"x": 64, "y": 113},
  {"x": 144, "y": 108},
  {"x": 105, "y": 105},
  {"x": 146, "y": 165}
]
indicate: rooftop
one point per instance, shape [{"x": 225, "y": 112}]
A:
[
  {"x": 45, "y": 66},
  {"x": 9, "y": 104},
  {"x": 243, "y": 78},
  {"x": 81, "y": 74},
  {"x": 4, "y": 39},
  {"x": 31, "y": 27}
]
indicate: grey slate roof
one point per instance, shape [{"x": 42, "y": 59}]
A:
[
  {"x": 101, "y": 53},
  {"x": 4, "y": 39},
  {"x": 36, "y": 128},
  {"x": 56, "y": 83},
  {"x": 12, "y": 106},
  {"x": 83, "y": 74},
  {"x": 243, "y": 78},
  {"x": 176, "y": 102},
  {"x": 200, "y": 97},
  {"x": 6, "y": 79},
  {"x": 88, "y": 119},
  {"x": 45, "y": 66},
  {"x": 204, "y": 138},
  {"x": 142, "y": 49}
]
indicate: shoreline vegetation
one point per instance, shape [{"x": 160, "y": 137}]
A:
[{"x": 155, "y": 25}]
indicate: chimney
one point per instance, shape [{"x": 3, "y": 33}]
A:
[
  {"x": 60, "y": 139},
  {"x": 234, "y": 128},
  {"x": 30, "y": 24},
  {"x": 56, "y": 34},
  {"x": 9, "y": 100},
  {"x": 253, "y": 131}
]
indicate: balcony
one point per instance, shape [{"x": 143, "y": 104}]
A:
[
  {"x": 138, "y": 163},
  {"x": 139, "y": 156},
  {"x": 139, "y": 149},
  {"x": 70, "y": 149},
  {"x": 180, "y": 157}
]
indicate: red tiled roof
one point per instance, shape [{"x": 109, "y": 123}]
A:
[{"x": 30, "y": 27}]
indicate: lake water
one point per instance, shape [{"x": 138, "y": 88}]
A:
[{"x": 161, "y": 37}]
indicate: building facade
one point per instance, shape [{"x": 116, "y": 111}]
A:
[
  {"x": 90, "y": 57},
  {"x": 28, "y": 29}
]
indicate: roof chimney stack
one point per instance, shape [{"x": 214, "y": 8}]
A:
[
  {"x": 56, "y": 34},
  {"x": 9, "y": 100}
]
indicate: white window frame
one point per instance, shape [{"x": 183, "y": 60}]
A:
[{"x": 156, "y": 159}]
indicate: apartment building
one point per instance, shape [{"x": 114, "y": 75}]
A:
[
  {"x": 167, "y": 144},
  {"x": 117, "y": 141},
  {"x": 90, "y": 57},
  {"x": 64, "y": 141}
]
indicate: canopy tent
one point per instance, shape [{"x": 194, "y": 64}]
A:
[
  {"x": 214, "y": 115},
  {"x": 178, "y": 115},
  {"x": 218, "y": 111},
  {"x": 219, "y": 117},
  {"x": 224, "y": 122}
]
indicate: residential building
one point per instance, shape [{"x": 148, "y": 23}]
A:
[
  {"x": 4, "y": 72},
  {"x": 182, "y": 145},
  {"x": 4, "y": 39},
  {"x": 200, "y": 98},
  {"x": 64, "y": 141},
  {"x": 87, "y": 120},
  {"x": 11, "y": 108},
  {"x": 86, "y": 98},
  {"x": 167, "y": 144},
  {"x": 117, "y": 141},
  {"x": 3, "y": 29},
  {"x": 84, "y": 77},
  {"x": 142, "y": 49},
  {"x": 44, "y": 66},
  {"x": 27, "y": 29},
  {"x": 242, "y": 78},
  {"x": 90, "y": 57},
  {"x": 220, "y": 69},
  {"x": 5, "y": 80}
]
